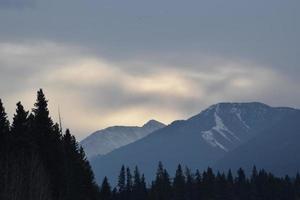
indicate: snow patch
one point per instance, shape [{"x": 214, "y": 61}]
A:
[
  {"x": 219, "y": 128},
  {"x": 237, "y": 112},
  {"x": 208, "y": 136}
]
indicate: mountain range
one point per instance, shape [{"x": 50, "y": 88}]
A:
[{"x": 226, "y": 135}]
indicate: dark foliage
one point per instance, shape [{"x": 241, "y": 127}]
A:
[
  {"x": 207, "y": 186},
  {"x": 38, "y": 162}
]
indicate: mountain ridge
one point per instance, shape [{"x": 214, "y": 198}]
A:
[
  {"x": 106, "y": 140},
  {"x": 198, "y": 142}
]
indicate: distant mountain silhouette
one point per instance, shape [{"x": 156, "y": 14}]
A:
[
  {"x": 106, "y": 140},
  {"x": 204, "y": 140}
]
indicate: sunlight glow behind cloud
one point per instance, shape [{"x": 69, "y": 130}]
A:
[{"x": 94, "y": 93}]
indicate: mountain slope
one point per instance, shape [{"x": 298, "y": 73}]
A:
[
  {"x": 197, "y": 142},
  {"x": 106, "y": 140},
  {"x": 276, "y": 149}
]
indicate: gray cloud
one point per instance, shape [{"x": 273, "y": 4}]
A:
[
  {"x": 104, "y": 92},
  {"x": 266, "y": 31},
  {"x": 16, "y": 4},
  {"x": 163, "y": 59}
]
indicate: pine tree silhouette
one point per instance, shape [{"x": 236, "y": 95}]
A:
[
  {"x": 179, "y": 184},
  {"x": 122, "y": 184},
  {"x": 105, "y": 190},
  {"x": 37, "y": 162}
]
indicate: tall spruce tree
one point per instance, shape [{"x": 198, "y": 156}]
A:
[
  {"x": 42, "y": 120},
  {"x": 49, "y": 144},
  {"x": 162, "y": 185},
  {"x": 198, "y": 185},
  {"x": 179, "y": 184},
  {"x": 208, "y": 184},
  {"x": 129, "y": 183},
  {"x": 190, "y": 189},
  {"x": 122, "y": 183},
  {"x": 4, "y": 124},
  {"x": 253, "y": 184},
  {"x": 20, "y": 126},
  {"x": 136, "y": 188},
  {"x": 221, "y": 187},
  {"x": 143, "y": 188},
  {"x": 241, "y": 185},
  {"x": 89, "y": 185},
  {"x": 105, "y": 190},
  {"x": 136, "y": 179},
  {"x": 4, "y": 133}
]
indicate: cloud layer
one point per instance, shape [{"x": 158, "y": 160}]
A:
[
  {"x": 16, "y": 4},
  {"x": 124, "y": 62},
  {"x": 93, "y": 92}
]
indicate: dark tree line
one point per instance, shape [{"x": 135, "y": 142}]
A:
[
  {"x": 38, "y": 162},
  {"x": 202, "y": 186}
]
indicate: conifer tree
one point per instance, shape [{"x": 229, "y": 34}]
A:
[
  {"x": 20, "y": 126},
  {"x": 190, "y": 189},
  {"x": 179, "y": 184},
  {"x": 122, "y": 183},
  {"x": 198, "y": 185},
  {"x": 208, "y": 186},
  {"x": 4, "y": 133},
  {"x": 241, "y": 184},
  {"x": 89, "y": 185},
  {"x": 4, "y": 124},
  {"x": 143, "y": 188},
  {"x": 162, "y": 184},
  {"x": 43, "y": 122},
  {"x": 105, "y": 190},
  {"x": 136, "y": 179},
  {"x": 221, "y": 187},
  {"x": 129, "y": 183},
  {"x": 20, "y": 119},
  {"x": 78, "y": 174},
  {"x": 49, "y": 144},
  {"x": 137, "y": 185},
  {"x": 254, "y": 184},
  {"x": 229, "y": 177}
]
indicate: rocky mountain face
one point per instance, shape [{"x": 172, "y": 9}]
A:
[{"x": 206, "y": 139}]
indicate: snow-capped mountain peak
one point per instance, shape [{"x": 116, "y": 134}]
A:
[
  {"x": 232, "y": 123},
  {"x": 104, "y": 141}
]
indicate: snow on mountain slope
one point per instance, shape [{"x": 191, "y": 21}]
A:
[
  {"x": 106, "y": 140},
  {"x": 235, "y": 114},
  {"x": 276, "y": 149},
  {"x": 197, "y": 142}
]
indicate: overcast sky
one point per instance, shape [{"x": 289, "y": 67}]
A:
[{"x": 109, "y": 62}]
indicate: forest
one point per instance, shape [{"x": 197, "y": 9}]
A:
[{"x": 38, "y": 161}]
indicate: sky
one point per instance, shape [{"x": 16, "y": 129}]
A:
[{"x": 109, "y": 62}]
